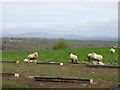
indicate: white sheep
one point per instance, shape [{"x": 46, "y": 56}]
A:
[
  {"x": 32, "y": 56},
  {"x": 31, "y": 61},
  {"x": 73, "y": 57},
  {"x": 26, "y": 60},
  {"x": 96, "y": 57},
  {"x": 90, "y": 56},
  {"x": 95, "y": 62},
  {"x": 112, "y": 50},
  {"x": 101, "y": 63}
]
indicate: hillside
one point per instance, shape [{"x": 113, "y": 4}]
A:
[
  {"x": 57, "y": 36},
  {"x": 27, "y": 44}
]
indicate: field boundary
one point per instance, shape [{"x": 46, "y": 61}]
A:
[{"x": 102, "y": 66}]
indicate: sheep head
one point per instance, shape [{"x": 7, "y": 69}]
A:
[
  {"x": 71, "y": 54},
  {"x": 36, "y": 54}
]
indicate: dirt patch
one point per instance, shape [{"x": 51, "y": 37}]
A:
[
  {"x": 103, "y": 77},
  {"x": 41, "y": 84}
]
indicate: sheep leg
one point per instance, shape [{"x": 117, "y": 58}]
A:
[
  {"x": 76, "y": 61},
  {"x": 72, "y": 60}
]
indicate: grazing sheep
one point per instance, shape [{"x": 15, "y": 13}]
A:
[
  {"x": 73, "y": 57},
  {"x": 32, "y": 56},
  {"x": 95, "y": 62},
  {"x": 31, "y": 61},
  {"x": 98, "y": 63},
  {"x": 95, "y": 57},
  {"x": 101, "y": 63},
  {"x": 90, "y": 56},
  {"x": 112, "y": 50},
  {"x": 26, "y": 60}
]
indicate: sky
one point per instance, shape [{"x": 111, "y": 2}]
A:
[{"x": 78, "y": 18}]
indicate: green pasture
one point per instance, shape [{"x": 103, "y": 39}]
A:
[
  {"x": 62, "y": 55},
  {"x": 59, "y": 55}
]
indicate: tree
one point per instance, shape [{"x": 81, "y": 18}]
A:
[{"x": 60, "y": 45}]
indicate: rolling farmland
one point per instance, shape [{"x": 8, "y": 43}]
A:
[{"x": 103, "y": 77}]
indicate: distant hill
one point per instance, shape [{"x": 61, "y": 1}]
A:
[{"x": 57, "y": 36}]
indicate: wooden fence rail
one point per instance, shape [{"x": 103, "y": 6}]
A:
[
  {"x": 38, "y": 78},
  {"x": 9, "y": 74},
  {"x": 49, "y": 63},
  {"x": 9, "y": 61}
]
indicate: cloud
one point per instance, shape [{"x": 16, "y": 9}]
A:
[
  {"x": 82, "y": 18},
  {"x": 59, "y": 1},
  {"x": 89, "y": 29},
  {"x": 58, "y": 11}
]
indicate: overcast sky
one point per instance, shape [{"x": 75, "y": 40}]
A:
[{"x": 80, "y": 18}]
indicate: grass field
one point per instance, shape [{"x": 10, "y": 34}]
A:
[
  {"x": 62, "y": 55},
  {"x": 102, "y": 76}
]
